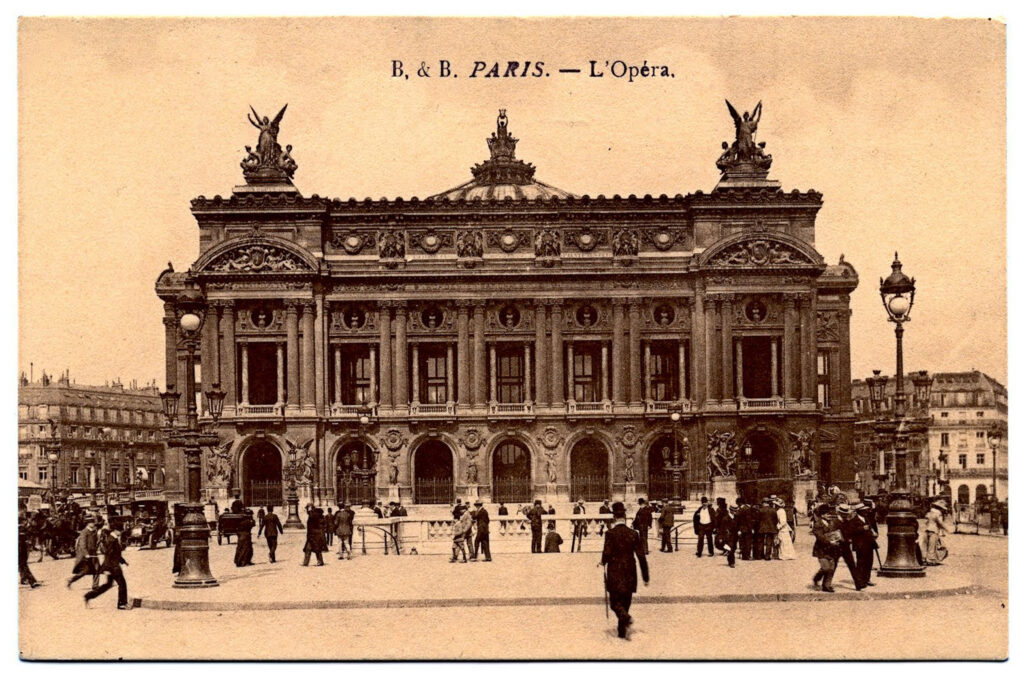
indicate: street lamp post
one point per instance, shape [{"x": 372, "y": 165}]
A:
[
  {"x": 897, "y": 292},
  {"x": 53, "y": 456},
  {"x": 994, "y": 440},
  {"x": 678, "y": 465},
  {"x": 131, "y": 472},
  {"x": 194, "y": 531},
  {"x": 108, "y": 438}
]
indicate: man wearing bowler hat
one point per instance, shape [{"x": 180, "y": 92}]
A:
[
  {"x": 482, "y": 542},
  {"x": 622, "y": 548}
]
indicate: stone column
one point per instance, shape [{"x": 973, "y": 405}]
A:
[
  {"x": 171, "y": 347},
  {"x": 540, "y": 348},
  {"x": 494, "y": 374},
  {"x": 570, "y": 372},
  {"x": 739, "y": 367},
  {"x": 374, "y": 397},
  {"x": 681, "y": 391},
  {"x": 618, "y": 347},
  {"x": 205, "y": 355},
  {"x": 449, "y": 374},
  {"x": 292, "y": 320},
  {"x": 788, "y": 345},
  {"x": 320, "y": 356},
  {"x": 527, "y": 393},
  {"x": 401, "y": 352},
  {"x": 280, "y": 373},
  {"x": 245, "y": 373},
  {"x": 634, "y": 353},
  {"x": 308, "y": 394},
  {"x": 213, "y": 320},
  {"x": 728, "y": 381},
  {"x": 710, "y": 327},
  {"x": 415, "y": 373},
  {"x": 775, "y": 366},
  {"x": 337, "y": 374},
  {"x": 462, "y": 325},
  {"x": 604, "y": 372},
  {"x": 479, "y": 358},
  {"x": 386, "y": 361},
  {"x": 844, "y": 356},
  {"x": 807, "y": 347},
  {"x": 557, "y": 370},
  {"x": 647, "y": 370},
  {"x": 698, "y": 364}
]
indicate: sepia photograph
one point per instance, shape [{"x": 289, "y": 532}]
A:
[{"x": 661, "y": 338}]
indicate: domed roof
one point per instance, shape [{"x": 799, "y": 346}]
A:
[{"x": 502, "y": 176}]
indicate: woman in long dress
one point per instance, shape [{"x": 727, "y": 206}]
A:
[
  {"x": 243, "y": 551},
  {"x": 785, "y": 539}
]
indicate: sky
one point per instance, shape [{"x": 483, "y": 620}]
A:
[{"x": 900, "y": 123}]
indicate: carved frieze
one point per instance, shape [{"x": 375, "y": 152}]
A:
[
  {"x": 828, "y": 326},
  {"x": 470, "y": 244},
  {"x": 430, "y": 240},
  {"x": 257, "y": 258},
  {"x": 759, "y": 253},
  {"x": 547, "y": 243},
  {"x": 721, "y": 454},
  {"x": 663, "y": 239},
  {"x": 353, "y": 241},
  {"x": 259, "y": 319},
  {"x": 509, "y": 240},
  {"x": 391, "y": 244},
  {"x": 587, "y": 239},
  {"x": 626, "y": 242}
]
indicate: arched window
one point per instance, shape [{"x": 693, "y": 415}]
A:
[
  {"x": 963, "y": 494},
  {"x": 511, "y": 467},
  {"x": 980, "y": 493}
]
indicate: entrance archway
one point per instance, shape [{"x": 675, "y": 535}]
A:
[
  {"x": 765, "y": 471},
  {"x": 588, "y": 470},
  {"x": 660, "y": 480},
  {"x": 963, "y": 495},
  {"x": 511, "y": 473},
  {"x": 434, "y": 468},
  {"x": 261, "y": 475},
  {"x": 355, "y": 476}
]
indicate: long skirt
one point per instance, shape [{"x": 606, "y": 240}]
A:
[{"x": 243, "y": 551}]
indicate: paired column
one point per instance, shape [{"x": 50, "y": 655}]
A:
[
  {"x": 682, "y": 369},
  {"x": 401, "y": 357},
  {"x": 540, "y": 347},
  {"x": 244, "y": 397},
  {"x": 527, "y": 393},
  {"x": 228, "y": 354},
  {"x": 557, "y": 370},
  {"x": 618, "y": 346},
  {"x": 844, "y": 356},
  {"x": 494, "y": 374},
  {"x": 647, "y": 370},
  {"x": 415, "y": 374},
  {"x": 462, "y": 326},
  {"x": 337, "y": 374},
  {"x": 807, "y": 347},
  {"x": 698, "y": 367},
  {"x": 570, "y": 379},
  {"x": 479, "y": 358},
  {"x": 604, "y": 372},
  {"x": 727, "y": 369},
  {"x": 292, "y": 322},
  {"x": 373, "y": 376},
  {"x": 308, "y": 364},
  {"x": 739, "y": 367},
  {"x": 775, "y": 367},
  {"x": 634, "y": 353},
  {"x": 170, "y": 346},
  {"x": 788, "y": 344},
  {"x": 280, "y": 372},
  {"x": 710, "y": 326},
  {"x": 386, "y": 364}
]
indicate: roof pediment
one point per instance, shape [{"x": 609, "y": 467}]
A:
[
  {"x": 256, "y": 254},
  {"x": 761, "y": 250}
]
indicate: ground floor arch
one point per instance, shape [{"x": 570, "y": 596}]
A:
[
  {"x": 355, "y": 474},
  {"x": 661, "y": 479},
  {"x": 261, "y": 475},
  {"x": 765, "y": 470},
  {"x": 588, "y": 471},
  {"x": 963, "y": 495},
  {"x": 433, "y": 473},
  {"x": 511, "y": 473}
]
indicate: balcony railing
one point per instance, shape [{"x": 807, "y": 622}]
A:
[
  {"x": 510, "y": 408},
  {"x": 761, "y": 403},
  {"x": 667, "y": 406},
  {"x": 435, "y": 410},
  {"x": 352, "y": 411},
  {"x": 574, "y": 407},
  {"x": 259, "y": 410}
]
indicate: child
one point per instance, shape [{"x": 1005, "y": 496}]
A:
[
  {"x": 459, "y": 529},
  {"x": 553, "y": 540}
]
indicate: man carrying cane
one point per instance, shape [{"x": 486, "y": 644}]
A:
[{"x": 622, "y": 548}]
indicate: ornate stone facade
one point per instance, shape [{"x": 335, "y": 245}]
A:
[{"x": 422, "y": 349}]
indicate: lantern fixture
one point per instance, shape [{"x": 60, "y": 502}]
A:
[
  {"x": 170, "y": 404},
  {"x": 215, "y": 401},
  {"x": 876, "y": 385},
  {"x": 897, "y": 291}
]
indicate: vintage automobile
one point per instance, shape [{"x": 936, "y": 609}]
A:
[
  {"x": 151, "y": 524},
  {"x": 119, "y": 517},
  {"x": 228, "y": 524}
]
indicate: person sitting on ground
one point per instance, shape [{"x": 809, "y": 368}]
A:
[{"x": 553, "y": 540}]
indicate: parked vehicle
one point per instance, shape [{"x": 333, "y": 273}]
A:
[{"x": 151, "y": 524}]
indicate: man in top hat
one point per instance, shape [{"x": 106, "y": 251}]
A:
[
  {"x": 666, "y": 522},
  {"x": 727, "y": 533},
  {"x": 767, "y": 528},
  {"x": 852, "y": 528},
  {"x": 745, "y": 521},
  {"x": 933, "y": 522},
  {"x": 622, "y": 549},
  {"x": 579, "y": 527},
  {"x": 482, "y": 542},
  {"x": 642, "y": 522},
  {"x": 536, "y": 516},
  {"x": 604, "y": 510},
  {"x": 704, "y": 527}
]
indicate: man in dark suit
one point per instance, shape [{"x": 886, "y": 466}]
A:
[
  {"x": 666, "y": 521},
  {"x": 536, "y": 516},
  {"x": 744, "y": 528},
  {"x": 622, "y": 548},
  {"x": 726, "y": 533},
  {"x": 642, "y": 523},
  {"x": 579, "y": 527},
  {"x": 111, "y": 566},
  {"x": 483, "y": 532},
  {"x": 857, "y": 548},
  {"x": 271, "y": 528},
  {"x": 767, "y": 528},
  {"x": 704, "y": 527}
]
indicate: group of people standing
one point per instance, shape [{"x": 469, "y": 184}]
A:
[
  {"x": 472, "y": 528},
  {"x": 847, "y": 531}
]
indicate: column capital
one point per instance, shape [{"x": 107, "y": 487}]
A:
[
  {"x": 553, "y": 302},
  {"x": 789, "y": 299},
  {"x": 308, "y": 306},
  {"x": 634, "y": 305},
  {"x": 401, "y": 311},
  {"x": 479, "y": 307},
  {"x": 463, "y": 306},
  {"x": 291, "y": 306}
]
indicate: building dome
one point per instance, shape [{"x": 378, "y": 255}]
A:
[{"x": 503, "y": 176}]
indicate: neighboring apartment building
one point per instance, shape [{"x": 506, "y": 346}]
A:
[
  {"x": 953, "y": 457},
  {"x": 101, "y": 434}
]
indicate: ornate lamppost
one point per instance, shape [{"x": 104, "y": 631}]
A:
[
  {"x": 876, "y": 388},
  {"x": 53, "y": 456},
  {"x": 995, "y": 439},
  {"x": 897, "y": 293},
  {"x": 678, "y": 465},
  {"x": 361, "y": 469},
  {"x": 293, "y": 471},
  {"x": 131, "y": 472},
  {"x": 194, "y": 531}
]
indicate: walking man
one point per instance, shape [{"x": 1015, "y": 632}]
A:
[
  {"x": 642, "y": 523},
  {"x": 744, "y": 528},
  {"x": 768, "y": 529},
  {"x": 850, "y": 527},
  {"x": 483, "y": 532},
  {"x": 579, "y": 527},
  {"x": 23, "y": 569},
  {"x": 727, "y": 534},
  {"x": 343, "y": 529},
  {"x": 666, "y": 522},
  {"x": 827, "y": 540},
  {"x": 536, "y": 516},
  {"x": 111, "y": 566},
  {"x": 315, "y": 541},
  {"x": 86, "y": 556},
  {"x": 271, "y": 528},
  {"x": 622, "y": 548},
  {"x": 704, "y": 526}
]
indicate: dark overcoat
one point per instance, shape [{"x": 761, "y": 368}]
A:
[{"x": 622, "y": 548}]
